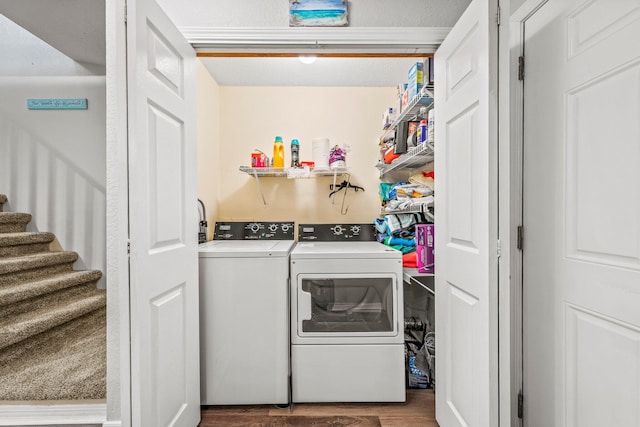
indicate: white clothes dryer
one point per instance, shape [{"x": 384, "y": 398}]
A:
[
  {"x": 244, "y": 314},
  {"x": 347, "y": 322}
]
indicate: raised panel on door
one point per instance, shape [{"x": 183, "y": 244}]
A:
[
  {"x": 466, "y": 187},
  {"x": 163, "y": 229},
  {"x": 581, "y": 256}
]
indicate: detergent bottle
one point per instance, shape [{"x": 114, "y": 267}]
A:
[
  {"x": 278, "y": 153},
  {"x": 295, "y": 149}
]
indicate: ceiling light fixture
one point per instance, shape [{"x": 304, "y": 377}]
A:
[{"x": 307, "y": 59}]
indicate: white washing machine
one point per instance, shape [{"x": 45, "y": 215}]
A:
[
  {"x": 244, "y": 314},
  {"x": 347, "y": 321}
]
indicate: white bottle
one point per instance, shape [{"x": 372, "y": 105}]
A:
[{"x": 431, "y": 126}]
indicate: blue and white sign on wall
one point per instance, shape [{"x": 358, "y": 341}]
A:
[{"x": 57, "y": 104}]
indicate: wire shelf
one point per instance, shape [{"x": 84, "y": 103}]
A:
[
  {"x": 423, "y": 99},
  {"x": 283, "y": 172},
  {"x": 415, "y": 157}
]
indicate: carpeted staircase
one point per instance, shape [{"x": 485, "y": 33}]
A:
[{"x": 52, "y": 319}]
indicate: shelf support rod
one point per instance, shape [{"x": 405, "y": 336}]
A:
[
  {"x": 413, "y": 279},
  {"x": 255, "y": 175},
  {"x": 333, "y": 197}
]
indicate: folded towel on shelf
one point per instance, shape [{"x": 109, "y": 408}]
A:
[
  {"x": 397, "y": 222},
  {"x": 426, "y": 202},
  {"x": 410, "y": 260},
  {"x": 423, "y": 178},
  {"x": 398, "y": 241},
  {"x": 381, "y": 225},
  {"x": 409, "y": 203},
  {"x": 414, "y": 190}
]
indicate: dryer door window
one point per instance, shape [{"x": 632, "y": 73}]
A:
[{"x": 347, "y": 305}]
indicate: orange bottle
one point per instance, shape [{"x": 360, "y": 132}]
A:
[{"x": 278, "y": 153}]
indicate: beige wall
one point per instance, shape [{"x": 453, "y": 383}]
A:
[
  {"x": 251, "y": 117},
  {"x": 208, "y": 122}
]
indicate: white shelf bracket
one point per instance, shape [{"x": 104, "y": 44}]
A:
[
  {"x": 410, "y": 279},
  {"x": 255, "y": 175},
  {"x": 333, "y": 197}
]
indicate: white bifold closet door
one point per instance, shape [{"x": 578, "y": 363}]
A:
[
  {"x": 466, "y": 220},
  {"x": 581, "y": 255},
  {"x": 165, "y": 369}
]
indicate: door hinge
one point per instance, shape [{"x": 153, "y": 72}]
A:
[
  {"x": 125, "y": 13},
  {"x": 519, "y": 237},
  {"x": 129, "y": 248},
  {"x": 520, "y": 405},
  {"x": 498, "y": 16},
  {"x": 498, "y": 248},
  {"x": 521, "y": 68}
]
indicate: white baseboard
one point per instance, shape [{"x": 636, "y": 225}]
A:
[{"x": 53, "y": 414}]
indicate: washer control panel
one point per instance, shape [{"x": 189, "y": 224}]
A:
[
  {"x": 254, "y": 230},
  {"x": 336, "y": 232}
]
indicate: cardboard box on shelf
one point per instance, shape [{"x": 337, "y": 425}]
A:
[
  {"x": 405, "y": 100},
  {"x": 425, "y": 248},
  {"x": 427, "y": 76},
  {"x": 400, "y": 146},
  {"x": 415, "y": 80},
  {"x": 388, "y": 117}
]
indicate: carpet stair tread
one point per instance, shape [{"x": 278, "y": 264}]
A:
[
  {"x": 24, "y": 290},
  {"x": 52, "y": 318},
  {"x": 25, "y": 238},
  {"x": 30, "y": 317},
  {"x": 61, "y": 363},
  {"x": 24, "y": 243},
  {"x": 33, "y": 261},
  {"x": 11, "y": 222}
]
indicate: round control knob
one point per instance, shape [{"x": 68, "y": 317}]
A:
[
  {"x": 273, "y": 228},
  {"x": 355, "y": 229},
  {"x": 337, "y": 229},
  {"x": 254, "y": 227},
  {"x": 285, "y": 227}
]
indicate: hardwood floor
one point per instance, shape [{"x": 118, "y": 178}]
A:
[{"x": 417, "y": 411}]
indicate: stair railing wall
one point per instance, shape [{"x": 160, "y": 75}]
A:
[{"x": 53, "y": 187}]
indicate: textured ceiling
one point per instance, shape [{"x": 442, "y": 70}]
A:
[
  {"x": 74, "y": 27},
  {"x": 376, "y": 72}
]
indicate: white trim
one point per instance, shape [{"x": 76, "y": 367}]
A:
[
  {"x": 358, "y": 38},
  {"x": 53, "y": 414},
  {"x": 516, "y": 120},
  {"x": 118, "y": 332},
  {"x": 112, "y": 424},
  {"x": 506, "y": 332},
  {"x": 524, "y": 12}
]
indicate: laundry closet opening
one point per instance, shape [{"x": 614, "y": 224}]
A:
[{"x": 246, "y": 100}]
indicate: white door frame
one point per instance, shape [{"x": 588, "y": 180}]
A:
[
  {"x": 510, "y": 308},
  {"x": 118, "y": 312},
  {"x": 118, "y": 320},
  {"x": 119, "y": 383},
  {"x": 513, "y": 152}
]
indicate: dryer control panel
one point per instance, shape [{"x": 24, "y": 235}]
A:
[
  {"x": 254, "y": 230},
  {"x": 336, "y": 232}
]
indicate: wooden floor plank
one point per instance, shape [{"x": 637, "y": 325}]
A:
[
  {"x": 407, "y": 421},
  {"x": 419, "y": 403},
  {"x": 417, "y": 411},
  {"x": 291, "y": 421},
  {"x": 238, "y": 409}
]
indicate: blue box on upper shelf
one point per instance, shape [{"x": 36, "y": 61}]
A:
[{"x": 416, "y": 79}]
